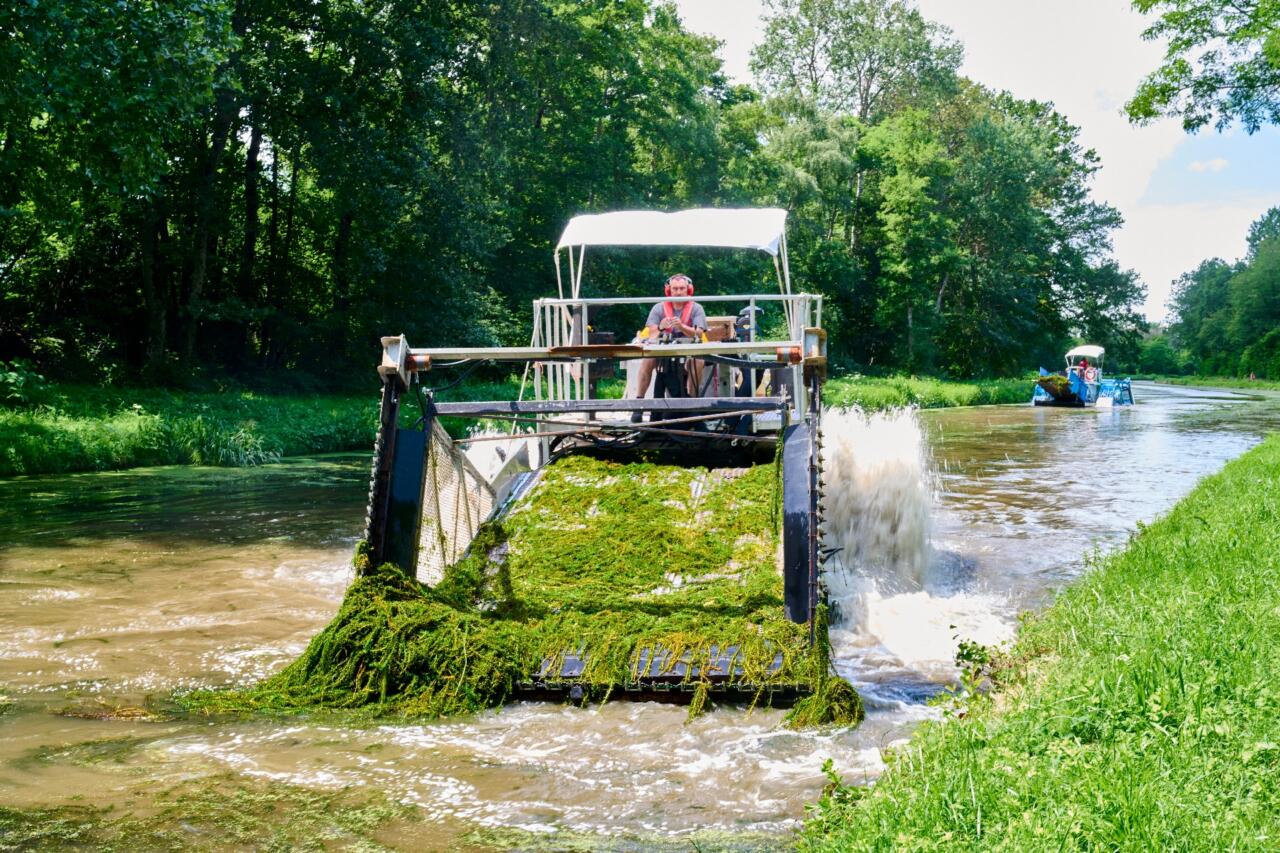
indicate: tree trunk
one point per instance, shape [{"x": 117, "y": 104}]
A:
[
  {"x": 341, "y": 251},
  {"x": 153, "y": 292},
  {"x": 911, "y": 340},
  {"x": 937, "y": 302},
  {"x": 206, "y": 187},
  {"x": 273, "y": 228},
  {"x": 248, "y": 253},
  {"x": 853, "y": 219}
]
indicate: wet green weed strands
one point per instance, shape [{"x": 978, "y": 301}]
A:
[
  {"x": 216, "y": 813},
  {"x": 603, "y": 560},
  {"x": 1141, "y": 711}
]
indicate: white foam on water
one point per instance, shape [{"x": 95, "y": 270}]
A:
[
  {"x": 899, "y": 614},
  {"x": 877, "y": 493}
]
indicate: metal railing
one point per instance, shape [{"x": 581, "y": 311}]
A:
[{"x": 563, "y": 322}]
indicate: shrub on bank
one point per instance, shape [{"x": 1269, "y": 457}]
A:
[{"x": 92, "y": 429}]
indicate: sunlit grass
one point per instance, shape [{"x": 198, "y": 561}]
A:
[
  {"x": 1140, "y": 711},
  {"x": 875, "y": 393},
  {"x": 1219, "y": 382},
  {"x": 82, "y": 428}
]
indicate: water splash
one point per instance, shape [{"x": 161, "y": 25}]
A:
[
  {"x": 878, "y": 495},
  {"x": 899, "y": 607}
]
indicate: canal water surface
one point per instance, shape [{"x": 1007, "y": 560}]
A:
[{"x": 116, "y": 587}]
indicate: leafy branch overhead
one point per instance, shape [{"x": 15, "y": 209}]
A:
[{"x": 1221, "y": 64}]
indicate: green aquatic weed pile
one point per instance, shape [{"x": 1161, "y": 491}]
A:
[
  {"x": 601, "y": 558},
  {"x": 873, "y": 393},
  {"x": 1141, "y": 711},
  {"x": 1056, "y": 384}
]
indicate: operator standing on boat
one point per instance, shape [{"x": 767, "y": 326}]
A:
[{"x": 676, "y": 317}]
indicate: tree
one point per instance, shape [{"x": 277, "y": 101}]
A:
[
  {"x": 1222, "y": 63},
  {"x": 856, "y": 57},
  {"x": 1266, "y": 227},
  {"x": 265, "y": 188},
  {"x": 1157, "y": 356}
]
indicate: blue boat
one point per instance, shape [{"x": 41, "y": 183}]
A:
[{"x": 1082, "y": 383}]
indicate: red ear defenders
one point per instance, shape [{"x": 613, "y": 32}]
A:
[{"x": 666, "y": 288}]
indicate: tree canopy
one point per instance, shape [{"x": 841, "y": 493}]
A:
[
  {"x": 1222, "y": 63},
  {"x": 1226, "y": 317},
  {"x": 244, "y": 188}
]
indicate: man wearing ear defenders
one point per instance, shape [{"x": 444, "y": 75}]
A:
[{"x": 676, "y": 317}]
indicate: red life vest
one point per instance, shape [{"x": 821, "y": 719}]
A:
[{"x": 686, "y": 311}]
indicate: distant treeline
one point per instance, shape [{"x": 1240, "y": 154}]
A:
[
  {"x": 1225, "y": 317},
  {"x": 243, "y": 188}
]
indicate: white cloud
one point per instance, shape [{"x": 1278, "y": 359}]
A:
[
  {"x": 1167, "y": 240},
  {"x": 1087, "y": 57},
  {"x": 1217, "y": 164}
]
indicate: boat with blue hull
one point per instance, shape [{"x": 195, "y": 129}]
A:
[{"x": 1082, "y": 383}]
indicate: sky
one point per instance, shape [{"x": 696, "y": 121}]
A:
[{"x": 1184, "y": 197}]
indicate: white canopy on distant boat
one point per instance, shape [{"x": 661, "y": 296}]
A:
[
  {"x": 759, "y": 228},
  {"x": 1087, "y": 351}
]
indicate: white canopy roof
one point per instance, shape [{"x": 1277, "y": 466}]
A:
[
  {"x": 1087, "y": 350},
  {"x": 734, "y": 228}
]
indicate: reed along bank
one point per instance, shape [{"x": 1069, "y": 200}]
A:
[{"x": 1141, "y": 710}]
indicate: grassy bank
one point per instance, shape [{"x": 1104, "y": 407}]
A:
[
  {"x": 874, "y": 393},
  {"x": 1140, "y": 711},
  {"x": 1218, "y": 382},
  {"x": 86, "y": 428}
]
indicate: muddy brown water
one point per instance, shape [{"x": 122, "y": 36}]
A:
[{"x": 119, "y": 586}]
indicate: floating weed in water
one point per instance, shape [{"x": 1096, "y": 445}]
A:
[
  {"x": 568, "y": 841},
  {"x": 213, "y": 813},
  {"x": 101, "y": 709},
  {"x": 580, "y": 567}
]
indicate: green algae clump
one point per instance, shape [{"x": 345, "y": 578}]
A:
[{"x": 606, "y": 561}]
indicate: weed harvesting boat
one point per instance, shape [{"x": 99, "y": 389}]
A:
[
  {"x": 1082, "y": 383},
  {"x": 658, "y": 547}
]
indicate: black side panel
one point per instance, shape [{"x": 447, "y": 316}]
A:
[
  {"x": 799, "y": 542},
  {"x": 375, "y": 523},
  {"x": 404, "y": 505}
]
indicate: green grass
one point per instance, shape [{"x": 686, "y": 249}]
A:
[
  {"x": 878, "y": 393},
  {"x": 1141, "y": 711},
  {"x": 606, "y": 559},
  {"x": 1218, "y": 382},
  {"x": 84, "y": 428}
]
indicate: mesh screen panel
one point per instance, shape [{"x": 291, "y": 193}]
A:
[{"x": 456, "y": 499}]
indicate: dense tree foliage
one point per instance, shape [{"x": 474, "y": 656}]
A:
[
  {"x": 1221, "y": 64},
  {"x": 1226, "y": 317},
  {"x": 245, "y": 187}
]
